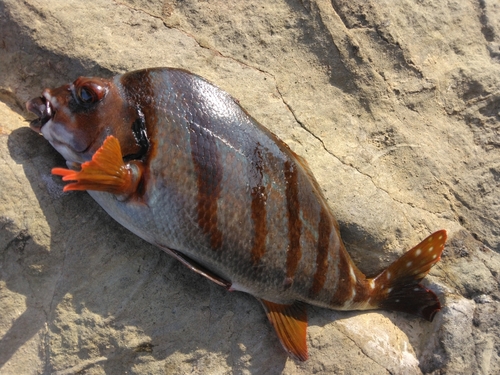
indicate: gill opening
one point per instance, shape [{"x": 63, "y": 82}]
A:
[{"x": 140, "y": 136}]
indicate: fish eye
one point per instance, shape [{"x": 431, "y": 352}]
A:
[
  {"x": 85, "y": 96},
  {"x": 89, "y": 92}
]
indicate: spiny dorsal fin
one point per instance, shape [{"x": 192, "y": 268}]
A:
[
  {"x": 397, "y": 287},
  {"x": 290, "y": 324},
  {"x": 105, "y": 172}
]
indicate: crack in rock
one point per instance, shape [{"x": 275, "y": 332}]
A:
[{"x": 364, "y": 352}]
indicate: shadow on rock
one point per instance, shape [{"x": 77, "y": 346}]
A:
[
  {"x": 22, "y": 276},
  {"x": 109, "y": 298}
]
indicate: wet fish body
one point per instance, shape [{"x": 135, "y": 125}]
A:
[{"x": 178, "y": 162}]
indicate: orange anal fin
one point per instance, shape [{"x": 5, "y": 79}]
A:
[
  {"x": 397, "y": 288},
  {"x": 290, "y": 324},
  {"x": 105, "y": 172}
]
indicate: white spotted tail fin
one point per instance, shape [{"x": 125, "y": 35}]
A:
[{"x": 397, "y": 287}]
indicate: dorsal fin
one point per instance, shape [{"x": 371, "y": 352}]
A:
[{"x": 290, "y": 324}]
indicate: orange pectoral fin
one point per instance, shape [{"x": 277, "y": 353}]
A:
[
  {"x": 290, "y": 324},
  {"x": 105, "y": 172}
]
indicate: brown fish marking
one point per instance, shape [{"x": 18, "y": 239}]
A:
[
  {"x": 294, "y": 223},
  {"x": 324, "y": 231},
  {"x": 208, "y": 168},
  {"x": 142, "y": 93},
  {"x": 258, "y": 210},
  {"x": 343, "y": 290}
]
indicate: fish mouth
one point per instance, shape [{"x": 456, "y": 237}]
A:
[{"x": 43, "y": 109}]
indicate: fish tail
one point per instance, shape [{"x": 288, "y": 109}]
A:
[{"x": 398, "y": 287}]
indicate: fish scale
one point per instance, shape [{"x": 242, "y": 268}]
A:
[{"x": 178, "y": 162}]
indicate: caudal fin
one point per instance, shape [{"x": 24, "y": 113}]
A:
[{"x": 397, "y": 288}]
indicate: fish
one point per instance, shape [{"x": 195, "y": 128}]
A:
[{"x": 178, "y": 162}]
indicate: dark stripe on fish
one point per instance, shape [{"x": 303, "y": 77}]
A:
[
  {"x": 344, "y": 284},
  {"x": 139, "y": 88},
  {"x": 324, "y": 231},
  {"x": 294, "y": 223},
  {"x": 258, "y": 207},
  {"x": 208, "y": 170}
]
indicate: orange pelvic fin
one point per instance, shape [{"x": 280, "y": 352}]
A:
[
  {"x": 105, "y": 172},
  {"x": 397, "y": 288},
  {"x": 290, "y": 323}
]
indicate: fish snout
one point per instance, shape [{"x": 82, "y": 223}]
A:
[{"x": 42, "y": 108}]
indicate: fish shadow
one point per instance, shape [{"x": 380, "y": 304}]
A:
[
  {"x": 382, "y": 336},
  {"x": 112, "y": 298}
]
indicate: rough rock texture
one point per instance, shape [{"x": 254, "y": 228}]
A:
[{"x": 396, "y": 107}]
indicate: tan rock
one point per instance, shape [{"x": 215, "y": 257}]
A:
[{"x": 395, "y": 105}]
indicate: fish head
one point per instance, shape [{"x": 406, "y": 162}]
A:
[{"x": 76, "y": 118}]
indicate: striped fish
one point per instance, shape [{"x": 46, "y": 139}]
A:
[{"x": 179, "y": 163}]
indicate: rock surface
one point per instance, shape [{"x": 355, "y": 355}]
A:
[{"x": 396, "y": 107}]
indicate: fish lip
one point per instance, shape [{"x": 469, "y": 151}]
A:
[{"x": 41, "y": 107}]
